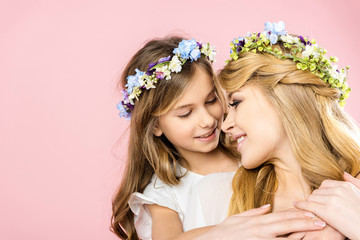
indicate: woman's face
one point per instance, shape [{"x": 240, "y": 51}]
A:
[
  {"x": 255, "y": 126},
  {"x": 193, "y": 125}
]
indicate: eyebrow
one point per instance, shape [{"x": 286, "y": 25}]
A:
[{"x": 188, "y": 105}]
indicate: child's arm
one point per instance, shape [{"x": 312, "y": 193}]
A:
[{"x": 166, "y": 224}]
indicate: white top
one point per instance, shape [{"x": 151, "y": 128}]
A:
[{"x": 199, "y": 200}]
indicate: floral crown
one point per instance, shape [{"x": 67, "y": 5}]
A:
[
  {"x": 162, "y": 69},
  {"x": 307, "y": 54}
]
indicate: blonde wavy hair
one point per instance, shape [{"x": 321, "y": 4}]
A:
[
  {"x": 324, "y": 139},
  {"x": 148, "y": 154}
]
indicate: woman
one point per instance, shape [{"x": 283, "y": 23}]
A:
[{"x": 286, "y": 120}]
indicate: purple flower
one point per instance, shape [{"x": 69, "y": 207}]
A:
[
  {"x": 164, "y": 59},
  {"x": 159, "y": 75},
  {"x": 302, "y": 40},
  {"x": 150, "y": 71},
  {"x": 125, "y": 95}
]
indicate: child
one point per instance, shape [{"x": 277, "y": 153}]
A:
[
  {"x": 175, "y": 141},
  {"x": 286, "y": 120}
]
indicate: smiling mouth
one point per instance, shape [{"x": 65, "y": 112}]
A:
[{"x": 208, "y": 134}]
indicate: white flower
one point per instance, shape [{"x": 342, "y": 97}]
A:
[
  {"x": 336, "y": 74},
  {"x": 175, "y": 64},
  {"x": 290, "y": 39},
  {"x": 208, "y": 51},
  {"x": 212, "y": 55},
  {"x": 149, "y": 84},
  {"x": 311, "y": 51},
  {"x": 142, "y": 79}
]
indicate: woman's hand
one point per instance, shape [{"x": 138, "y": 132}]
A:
[
  {"x": 255, "y": 224},
  {"x": 323, "y": 234},
  {"x": 337, "y": 203}
]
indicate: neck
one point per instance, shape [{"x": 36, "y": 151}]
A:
[
  {"x": 210, "y": 162},
  {"x": 292, "y": 186}
]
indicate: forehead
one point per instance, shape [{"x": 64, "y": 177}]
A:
[
  {"x": 248, "y": 90},
  {"x": 200, "y": 86}
]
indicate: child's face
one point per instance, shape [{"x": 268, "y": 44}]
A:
[
  {"x": 193, "y": 125},
  {"x": 255, "y": 125}
]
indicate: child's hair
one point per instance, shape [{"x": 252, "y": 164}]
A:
[
  {"x": 148, "y": 154},
  {"x": 324, "y": 139}
]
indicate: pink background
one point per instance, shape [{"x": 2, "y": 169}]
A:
[{"x": 61, "y": 141}]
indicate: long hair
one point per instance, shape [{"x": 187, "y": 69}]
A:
[
  {"x": 323, "y": 138},
  {"x": 148, "y": 154}
]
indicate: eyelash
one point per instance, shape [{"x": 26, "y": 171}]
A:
[
  {"x": 234, "y": 104},
  {"x": 209, "y": 102},
  {"x": 185, "y": 115},
  {"x": 212, "y": 101}
]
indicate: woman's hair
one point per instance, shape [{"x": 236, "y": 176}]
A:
[
  {"x": 148, "y": 154},
  {"x": 323, "y": 138}
]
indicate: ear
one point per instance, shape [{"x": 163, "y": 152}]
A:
[{"x": 157, "y": 131}]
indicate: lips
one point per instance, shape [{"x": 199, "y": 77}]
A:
[
  {"x": 207, "y": 134},
  {"x": 208, "y": 137},
  {"x": 239, "y": 138}
]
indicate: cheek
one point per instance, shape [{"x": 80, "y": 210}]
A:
[{"x": 217, "y": 111}]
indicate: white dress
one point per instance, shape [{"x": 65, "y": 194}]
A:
[{"x": 199, "y": 200}]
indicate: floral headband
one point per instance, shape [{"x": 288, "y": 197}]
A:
[
  {"x": 307, "y": 54},
  {"x": 162, "y": 69}
]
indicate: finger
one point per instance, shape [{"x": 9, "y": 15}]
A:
[
  {"x": 330, "y": 183},
  {"x": 284, "y": 215},
  {"x": 316, "y": 208},
  {"x": 349, "y": 178},
  {"x": 297, "y": 235},
  {"x": 320, "y": 198},
  {"x": 256, "y": 211},
  {"x": 294, "y": 225},
  {"x": 323, "y": 191}
]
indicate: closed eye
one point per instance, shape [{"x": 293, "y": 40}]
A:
[
  {"x": 234, "y": 104},
  {"x": 185, "y": 115},
  {"x": 212, "y": 101}
]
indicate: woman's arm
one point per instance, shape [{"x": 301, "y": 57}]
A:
[
  {"x": 255, "y": 224},
  {"x": 337, "y": 203}
]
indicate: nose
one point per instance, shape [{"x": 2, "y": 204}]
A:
[
  {"x": 228, "y": 123},
  {"x": 207, "y": 119}
]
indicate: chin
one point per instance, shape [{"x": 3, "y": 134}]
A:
[{"x": 248, "y": 165}]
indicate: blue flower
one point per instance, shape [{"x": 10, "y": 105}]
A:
[
  {"x": 185, "y": 48},
  {"x": 195, "y": 54},
  {"x": 133, "y": 81},
  {"x": 273, "y": 38},
  {"x": 276, "y": 28},
  {"x": 123, "y": 112}
]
